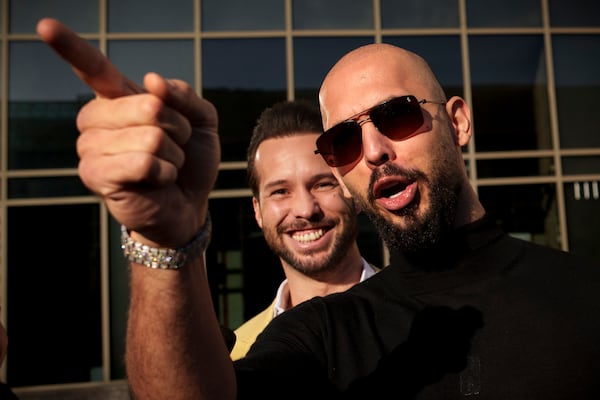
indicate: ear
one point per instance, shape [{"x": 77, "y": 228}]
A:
[
  {"x": 257, "y": 213},
  {"x": 460, "y": 118}
]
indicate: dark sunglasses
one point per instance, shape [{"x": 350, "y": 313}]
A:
[{"x": 397, "y": 119}]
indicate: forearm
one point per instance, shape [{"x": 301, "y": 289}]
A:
[{"x": 175, "y": 349}]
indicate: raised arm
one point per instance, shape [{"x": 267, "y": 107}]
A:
[{"x": 152, "y": 153}]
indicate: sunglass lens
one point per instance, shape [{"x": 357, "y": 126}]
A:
[
  {"x": 342, "y": 144},
  {"x": 398, "y": 118}
]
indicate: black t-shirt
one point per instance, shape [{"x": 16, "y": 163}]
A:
[{"x": 483, "y": 315}]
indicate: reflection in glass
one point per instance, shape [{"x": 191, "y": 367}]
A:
[
  {"x": 314, "y": 57},
  {"x": 574, "y": 12},
  {"x": 443, "y": 54},
  {"x": 151, "y": 16},
  {"x": 54, "y": 294},
  {"x": 526, "y": 211},
  {"x": 242, "y": 77},
  {"x": 333, "y": 14},
  {"x": 582, "y": 201},
  {"x": 43, "y": 104},
  {"x": 576, "y": 66},
  {"x": 81, "y": 16},
  {"x": 419, "y": 14},
  {"x": 170, "y": 58},
  {"x": 242, "y": 15},
  {"x": 510, "y": 96},
  {"x": 506, "y": 13}
]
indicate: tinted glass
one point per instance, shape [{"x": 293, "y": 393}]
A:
[
  {"x": 532, "y": 212},
  {"x": 515, "y": 167},
  {"x": 170, "y": 58},
  {"x": 79, "y": 15},
  {"x": 314, "y": 57},
  {"x": 574, "y": 12},
  {"x": 332, "y": 14},
  {"x": 443, "y": 55},
  {"x": 419, "y": 14},
  {"x": 46, "y": 187},
  {"x": 580, "y": 165},
  {"x": 234, "y": 15},
  {"x": 242, "y": 77},
  {"x": 506, "y": 13},
  {"x": 43, "y": 104},
  {"x": 151, "y": 16},
  {"x": 576, "y": 66},
  {"x": 53, "y": 298},
  {"x": 510, "y": 96}
]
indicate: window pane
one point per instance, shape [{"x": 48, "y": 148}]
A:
[
  {"x": 507, "y": 13},
  {"x": 46, "y": 187},
  {"x": 443, "y": 54},
  {"x": 576, "y": 66},
  {"x": 151, "y": 16},
  {"x": 515, "y": 167},
  {"x": 53, "y": 302},
  {"x": 526, "y": 211},
  {"x": 314, "y": 57},
  {"x": 43, "y": 104},
  {"x": 236, "y": 15},
  {"x": 510, "y": 100},
  {"x": 580, "y": 165},
  {"x": 582, "y": 200},
  {"x": 79, "y": 15},
  {"x": 574, "y": 12},
  {"x": 242, "y": 77},
  {"x": 333, "y": 14},
  {"x": 170, "y": 58},
  {"x": 119, "y": 301},
  {"x": 419, "y": 14}
]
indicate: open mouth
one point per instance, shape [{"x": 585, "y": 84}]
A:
[
  {"x": 390, "y": 187},
  {"x": 395, "y": 193},
  {"x": 308, "y": 236}
]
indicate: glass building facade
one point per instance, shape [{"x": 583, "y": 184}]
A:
[{"x": 528, "y": 68}]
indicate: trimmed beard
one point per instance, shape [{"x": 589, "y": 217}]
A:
[
  {"x": 422, "y": 232},
  {"x": 315, "y": 266}
]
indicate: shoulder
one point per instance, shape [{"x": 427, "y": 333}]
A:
[{"x": 247, "y": 332}]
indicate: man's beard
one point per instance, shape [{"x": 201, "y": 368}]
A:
[
  {"x": 420, "y": 231},
  {"x": 323, "y": 263}
]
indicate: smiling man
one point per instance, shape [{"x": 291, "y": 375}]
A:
[{"x": 306, "y": 220}]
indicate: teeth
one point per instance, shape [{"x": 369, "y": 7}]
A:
[{"x": 308, "y": 237}]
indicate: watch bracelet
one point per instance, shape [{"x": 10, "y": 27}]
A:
[{"x": 164, "y": 257}]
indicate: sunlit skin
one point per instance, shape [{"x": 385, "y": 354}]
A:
[
  {"x": 306, "y": 219},
  {"x": 400, "y": 181}
]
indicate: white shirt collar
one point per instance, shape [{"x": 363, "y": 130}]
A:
[{"x": 282, "y": 299}]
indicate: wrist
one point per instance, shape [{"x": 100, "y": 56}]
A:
[{"x": 165, "y": 257}]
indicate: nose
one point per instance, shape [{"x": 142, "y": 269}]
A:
[
  {"x": 305, "y": 205},
  {"x": 377, "y": 147}
]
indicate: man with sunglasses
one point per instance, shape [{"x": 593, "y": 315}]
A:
[
  {"x": 300, "y": 207},
  {"x": 463, "y": 310}
]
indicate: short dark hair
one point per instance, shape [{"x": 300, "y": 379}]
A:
[{"x": 285, "y": 118}]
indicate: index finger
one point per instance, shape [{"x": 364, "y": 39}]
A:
[{"x": 88, "y": 63}]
